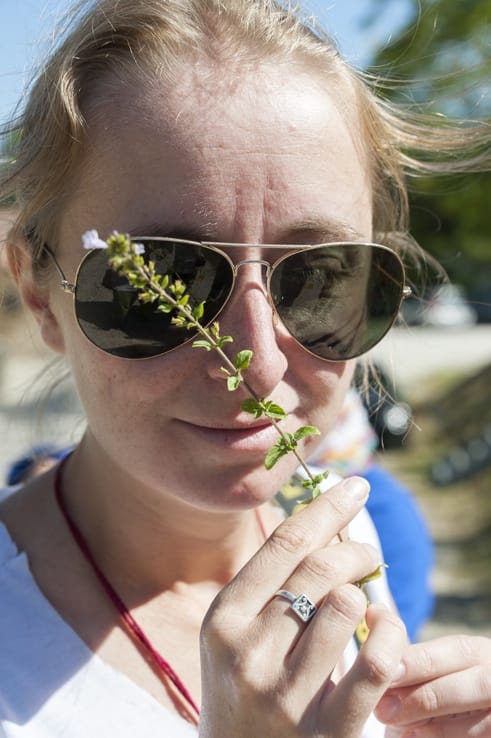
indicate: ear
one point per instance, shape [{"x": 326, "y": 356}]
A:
[{"x": 35, "y": 296}]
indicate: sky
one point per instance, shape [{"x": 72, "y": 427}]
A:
[{"x": 26, "y": 25}]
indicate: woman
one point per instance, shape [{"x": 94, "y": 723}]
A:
[{"x": 151, "y": 591}]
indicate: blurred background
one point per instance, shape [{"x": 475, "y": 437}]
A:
[{"x": 434, "y": 420}]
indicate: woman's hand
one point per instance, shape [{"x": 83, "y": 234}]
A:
[
  {"x": 264, "y": 672},
  {"x": 444, "y": 691}
]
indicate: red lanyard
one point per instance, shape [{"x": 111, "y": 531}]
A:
[{"x": 162, "y": 666}]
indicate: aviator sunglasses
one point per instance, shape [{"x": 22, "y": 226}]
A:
[{"x": 337, "y": 300}]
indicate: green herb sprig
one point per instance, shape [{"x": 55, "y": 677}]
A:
[{"x": 171, "y": 297}]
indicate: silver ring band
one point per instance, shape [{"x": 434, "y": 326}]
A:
[{"x": 301, "y": 605}]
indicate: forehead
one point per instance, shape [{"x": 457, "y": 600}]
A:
[
  {"x": 227, "y": 142},
  {"x": 279, "y": 97}
]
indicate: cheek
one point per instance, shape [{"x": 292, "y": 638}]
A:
[
  {"x": 328, "y": 388},
  {"x": 112, "y": 388},
  {"x": 327, "y": 396}
]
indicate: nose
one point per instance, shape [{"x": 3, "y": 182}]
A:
[
  {"x": 248, "y": 318},
  {"x": 243, "y": 262}
]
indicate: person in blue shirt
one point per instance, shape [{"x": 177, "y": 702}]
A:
[
  {"x": 38, "y": 460},
  {"x": 350, "y": 448}
]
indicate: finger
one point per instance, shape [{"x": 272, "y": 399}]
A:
[
  {"x": 321, "y": 646},
  {"x": 424, "y": 661},
  {"x": 474, "y": 725},
  {"x": 332, "y": 565},
  {"x": 362, "y": 687},
  {"x": 312, "y": 528},
  {"x": 315, "y": 576},
  {"x": 461, "y": 692}
]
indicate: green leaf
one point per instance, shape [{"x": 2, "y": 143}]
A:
[
  {"x": 289, "y": 440},
  {"x": 147, "y": 297},
  {"x": 223, "y": 340},
  {"x": 306, "y": 430},
  {"x": 233, "y": 382},
  {"x": 272, "y": 410},
  {"x": 274, "y": 454},
  {"x": 180, "y": 321},
  {"x": 243, "y": 359},
  {"x": 373, "y": 575},
  {"x": 198, "y": 311},
  {"x": 315, "y": 481},
  {"x": 165, "y": 308},
  {"x": 178, "y": 288},
  {"x": 202, "y": 343},
  {"x": 252, "y": 406}
]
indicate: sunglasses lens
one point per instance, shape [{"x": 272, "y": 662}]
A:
[
  {"x": 338, "y": 301},
  {"x": 114, "y": 319}
]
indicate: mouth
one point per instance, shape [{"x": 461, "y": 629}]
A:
[{"x": 254, "y": 437}]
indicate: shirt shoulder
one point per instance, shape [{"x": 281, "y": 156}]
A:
[{"x": 51, "y": 683}]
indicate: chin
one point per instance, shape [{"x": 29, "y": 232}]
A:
[{"x": 250, "y": 490}]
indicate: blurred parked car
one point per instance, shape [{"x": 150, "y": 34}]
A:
[{"x": 444, "y": 306}]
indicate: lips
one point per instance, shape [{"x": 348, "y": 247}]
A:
[{"x": 252, "y": 437}]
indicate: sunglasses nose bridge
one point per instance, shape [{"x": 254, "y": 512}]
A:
[{"x": 261, "y": 262}]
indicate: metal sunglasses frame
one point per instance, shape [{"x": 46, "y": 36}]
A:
[{"x": 217, "y": 247}]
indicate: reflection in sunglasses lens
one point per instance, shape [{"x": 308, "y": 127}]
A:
[
  {"x": 337, "y": 300},
  {"x": 112, "y": 317}
]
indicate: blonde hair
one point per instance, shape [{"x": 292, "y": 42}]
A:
[{"x": 124, "y": 40}]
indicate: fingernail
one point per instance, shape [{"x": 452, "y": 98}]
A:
[
  {"x": 389, "y": 708},
  {"x": 357, "y": 488}
]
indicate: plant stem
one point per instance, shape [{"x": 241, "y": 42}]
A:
[{"x": 203, "y": 331}]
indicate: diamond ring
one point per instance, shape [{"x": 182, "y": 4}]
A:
[{"x": 301, "y": 605}]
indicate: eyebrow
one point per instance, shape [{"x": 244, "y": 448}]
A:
[
  {"x": 192, "y": 233},
  {"x": 321, "y": 230},
  {"x": 327, "y": 229}
]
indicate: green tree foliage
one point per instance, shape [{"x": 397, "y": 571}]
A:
[
  {"x": 8, "y": 147},
  {"x": 9, "y": 143},
  {"x": 446, "y": 48}
]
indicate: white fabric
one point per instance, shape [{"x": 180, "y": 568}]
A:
[
  {"x": 53, "y": 686},
  {"x": 363, "y": 530}
]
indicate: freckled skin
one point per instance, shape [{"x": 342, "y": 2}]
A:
[
  {"x": 244, "y": 174},
  {"x": 163, "y": 483}
]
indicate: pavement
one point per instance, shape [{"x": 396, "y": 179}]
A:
[{"x": 415, "y": 354}]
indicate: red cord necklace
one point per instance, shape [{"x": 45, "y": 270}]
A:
[{"x": 162, "y": 666}]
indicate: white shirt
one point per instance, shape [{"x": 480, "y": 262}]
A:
[{"x": 53, "y": 686}]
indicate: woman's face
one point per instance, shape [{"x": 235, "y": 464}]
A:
[{"x": 269, "y": 159}]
